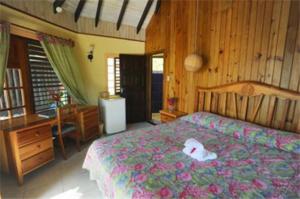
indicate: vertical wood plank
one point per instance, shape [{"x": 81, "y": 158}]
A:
[
  {"x": 258, "y": 39},
  {"x": 227, "y": 35},
  {"x": 284, "y": 114},
  {"x": 208, "y": 101},
  {"x": 278, "y": 59},
  {"x": 235, "y": 109},
  {"x": 256, "y": 108},
  {"x": 271, "y": 111},
  {"x": 290, "y": 45},
  {"x": 233, "y": 40},
  {"x": 273, "y": 41},
  {"x": 244, "y": 41},
  {"x": 201, "y": 101},
  {"x": 237, "y": 48},
  {"x": 244, "y": 107},
  {"x": 251, "y": 38},
  {"x": 223, "y": 102}
]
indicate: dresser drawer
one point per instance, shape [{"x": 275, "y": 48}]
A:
[
  {"x": 34, "y": 135},
  {"x": 91, "y": 122},
  {"x": 35, "y": 148},
  {"x": 91, "y": 112},
  {"x": 91, "y": 132},
  {"x": 37, "y": 160}
]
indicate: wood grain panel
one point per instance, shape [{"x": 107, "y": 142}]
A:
[{"x": 239, "y": 40}]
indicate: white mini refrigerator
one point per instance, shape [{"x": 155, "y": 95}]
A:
[{"x": 113, "y": 114}]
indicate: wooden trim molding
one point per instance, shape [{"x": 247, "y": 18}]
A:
[{"x": 23, "y": 32}]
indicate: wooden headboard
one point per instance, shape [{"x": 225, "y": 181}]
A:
[{"x": 253, "y": 102}]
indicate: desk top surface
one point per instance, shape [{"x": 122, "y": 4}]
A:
[{"x": 28, "y": 121}]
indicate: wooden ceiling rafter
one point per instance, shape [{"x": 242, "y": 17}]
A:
[
  {"x": 158, "y": 3},
  {"x": 144, "y": 15},
  {"x": 79, "y": 9},
  {"x": 57, "y": 3},
  {"x": 100, "y": 2},
  {"x": 122, "y": 12}
]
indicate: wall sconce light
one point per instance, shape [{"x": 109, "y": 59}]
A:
[{"x": 91, "y": 53}]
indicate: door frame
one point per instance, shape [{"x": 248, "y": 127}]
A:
[{"x": 149, "y": 82}]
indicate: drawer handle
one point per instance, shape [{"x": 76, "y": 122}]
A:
[{"x": 37, "y": 134}]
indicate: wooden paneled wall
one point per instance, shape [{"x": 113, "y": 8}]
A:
[{"x": 239, "y": 40}]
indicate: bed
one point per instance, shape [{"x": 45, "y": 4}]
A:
[{"x": 253, "y": 161}]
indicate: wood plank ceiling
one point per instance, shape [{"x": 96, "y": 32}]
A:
[{"x": 130, "y": 12}]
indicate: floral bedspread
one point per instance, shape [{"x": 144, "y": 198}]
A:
[{"x": 149, "y": 163}]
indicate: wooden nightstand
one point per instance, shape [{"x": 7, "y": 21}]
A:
[{"x": 168, "y": 116}]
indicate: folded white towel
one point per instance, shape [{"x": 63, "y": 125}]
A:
[
  {"x": 191, "y": 142},
  {"x": 195, "y": 149}
]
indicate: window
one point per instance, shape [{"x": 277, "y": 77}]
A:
[
  {"x": 12, "y": 103},
  {"x": 43, "y": 78},
  {"x": 30, "y": 80},
  {"x": 113, "y": 75},
  {"x": 157, "y": 65}
]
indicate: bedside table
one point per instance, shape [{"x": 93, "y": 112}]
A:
[{"x": 168, "y": 116}]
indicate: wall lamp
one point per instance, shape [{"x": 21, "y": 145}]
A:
[{"x": 91, "y": 53}]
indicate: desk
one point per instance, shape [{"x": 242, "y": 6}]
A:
[{"x": 26, "y": 142}]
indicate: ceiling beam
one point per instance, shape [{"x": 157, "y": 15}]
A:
[
  {"x": 146, "y": 10},
  {"x": 57, "y": 3},
  {"x": 157, "y": 6},
  {"x": 124, "y": 6},
  {"x": 98, "y": 12},
  {"x": 79, "y": 9}
]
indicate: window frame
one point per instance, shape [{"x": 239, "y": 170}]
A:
[
  {"x": 19, "y": 59},
  {"x": 115, "y": 57},
  {"x": 7, "y": 94}
]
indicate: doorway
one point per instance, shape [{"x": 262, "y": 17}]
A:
[{"x": 157, "y": 79}]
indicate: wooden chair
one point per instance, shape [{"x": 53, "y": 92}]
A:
[{"x": 67, "y": 126}]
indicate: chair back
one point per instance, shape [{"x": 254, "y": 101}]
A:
[{"x": 67, "y": 114}]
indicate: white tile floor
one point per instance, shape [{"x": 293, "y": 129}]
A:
[{"x": 60, "y": 179}]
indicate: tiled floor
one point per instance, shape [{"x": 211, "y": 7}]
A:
[
  {"x": 58, "y": 180},
  {"x": 138, "y": 125}
]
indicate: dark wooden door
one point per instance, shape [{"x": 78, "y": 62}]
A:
[{"x": 133, "y": 86}]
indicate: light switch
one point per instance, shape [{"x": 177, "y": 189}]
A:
[{"x": 168, "y": 78}]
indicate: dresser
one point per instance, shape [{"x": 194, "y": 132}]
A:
[
  {"x": 26, "y": 142},
  {"x": 168, "y": 116},
  {"x": 89, "y": 120}
]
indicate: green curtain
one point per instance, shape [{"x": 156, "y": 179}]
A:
[
  {"x": 60, "y": 54},
  {"x": 4, "y": 50}
]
